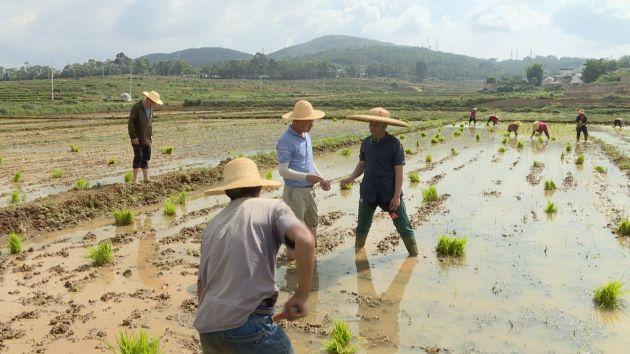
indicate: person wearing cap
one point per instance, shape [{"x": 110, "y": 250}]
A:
[
  {"x": 618, "y": 122},
  {"x": 580, "y": 120},
  {"x": 539, "y": 127},
  {"x": 381, "y": 162},
  {"x": 513, "y": 127},
  {"x": 473, "y": 116},
  {"x": 296, "y": 164},
  {"x": 236, "y": 289},
  {"x": 495, "y": 119},
  {"x": 140, "y": 132}
]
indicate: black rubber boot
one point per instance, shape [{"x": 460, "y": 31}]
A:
[
  {"x": 359, "y": 241},
  {"x": 410, "y": 244}
]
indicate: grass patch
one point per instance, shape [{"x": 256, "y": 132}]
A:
[
  {"x": 340, "y": 340},
  {"x": 408, "y": 151},
  {"x": 74, "y": 148},
  {"x": 345, "y": 152},
  {"x": 169, "y": 208},
  {"x": 56, "y": 173},
  {"x": 624, "y": 228},
  {"x": 168, "y": 150},
  {"x": 17, "y": 177},
  {"x": 430, "y": 195},
  {"x": 537, "y": 164},
  {"x": 600, "y": 169},
  {"x": 101, "y": 254},
  {"x": 81, "y": 183},
  {"x": 451, "y": 246},
  {"x": 579, "y": 160},
  {"x": 123, "y": 216},
  {"x": 428, "y": 158},
  {"x": 15, "y": 242},
  {"x": 112, "y": 162},
  {"x": 414, "y": 177},
  {"x": 550, "y": 185},
  {"x": 128, "y": 176},
  {"x": 501, "y": 150},
  {"x": 608, "y": 296},
  {"x": 551, "y": 208}
]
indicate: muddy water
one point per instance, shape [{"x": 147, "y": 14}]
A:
[{"x": 524, "y": 286}]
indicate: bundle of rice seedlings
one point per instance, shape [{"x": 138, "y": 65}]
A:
[
  {"x": 537, "y": 164},
  {"x": 414, "y": 177},
  {"x": 428, "y": 158},
  {"x": 346, "y": 187},
  {"x": 600, "y": 169},
  {"x": 168, "y": 150},
  {"x": 550, "y": 185},
  {"x": 345, "y": 152},
  {"x": 453, "y": 151},
  {"x": 123, "y": 216},
  {"x": 501, "y": 150},
  {"x": 551, "y": 208},
  {"x": 17, "y": 177},
  {"x": 408, "y": 151},
  {"x": 74, "y": 148},
  {"x": 579, "y": 160},
  {"x": 451, "y": 246},
  {"x": 519, "y": 145},
  {"x": 401, "y": 137},
  {"x": 169, "y": 208},
  {"x": 112, "y": 162},
  {"x": 624, "y": 227},
  {"x": 56, "y": 173},
  {"x": 340, "y": 340},
  {"x": 179, "y": 198},
  {"x": 477, "y": 137},
  {"x": 430, "y": 195},
  {"x": 81, "y": 183},
  {"x": 128, "y": 176},
  {"x": 101, "y": 254},
  {"x": 269, "y": 175},
  {"x": 15, "y": 242},
  {"x": 608, "y": 296}
]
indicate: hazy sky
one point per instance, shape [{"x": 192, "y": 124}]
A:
[{"x": 62, "y": 31}]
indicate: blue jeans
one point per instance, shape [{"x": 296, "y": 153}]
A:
[{"x": 258, "y": 335}]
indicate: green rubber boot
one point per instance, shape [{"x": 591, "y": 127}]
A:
[
  {"x": 359, "y": 241},
  {"x": 410, "y": 244}
]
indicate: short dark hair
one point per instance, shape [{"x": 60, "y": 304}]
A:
[{"x": 247, "y": 192}]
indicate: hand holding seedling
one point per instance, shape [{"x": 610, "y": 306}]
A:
[{"x": 294, "y": 308}]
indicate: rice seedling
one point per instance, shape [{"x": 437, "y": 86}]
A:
[
  {"x": 101, "y": 254},
  {"x": 568, "y": 147},
  {"x": 414, "y": 177},
  {"x": 128, "y": 176},
  {"x": 15, "y": 242},
  {"x": 269, "y": 175},
  {"x": 562, "y": 156},
  {"x": 477, "y": 137},
  {"x": 491, "y": 130},
  {"x": 1, "y": 160},
  {"x": 457, "y": 133},
  {"x": 435, "y": 140},
  {"x": 537, "y": 164},
  {"x": 417, "y": 143},
  {"x": 451, "y": 246},
  {"x": 169, "y": 208},
  {"x": 346, "y": 187},
  {"x": 428, "y": 158},
  {"x": 179, "y": 198},
  {"x": 81, "y": 183},
  {"x": 600, "y": 169},
  {"x": 430, "y": 195},
  {"x": 56, "y": 173},
  {"x": 401, "y": 137},
  {"x": 519, "y": 145},
  {"x": 501, "y": 150},
  {"x": 624, "y": 227},
  {"x": 608, "y": 295},
  {"x": 168, "y": 150},
  {"x": 340, "y": 340},
  {"x": 453, "y": 151},
  {"x": 112, "y": 162},
  {"x": 408, "y": 151},
  {"x": 345, "y": 152},
  {"x": 17, "y": 177},
  {"x": 74, "y": 148},
  {"x": 461, "y": 125},
  {"x": 553, "y": 138},
  {"x": 504, "y": 141},
  {"x": 579, "y": 160},
  {"x": 550, "y": 185},
  {"x": 551, "y": 208},
  {"x": 15, "y": 197},
  {"x": 123, "y": 216},
  {"x": 139, "y": 343},
  {"x": 423, "y": 134}
]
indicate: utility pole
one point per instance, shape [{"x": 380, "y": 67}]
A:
[
  {"x": 130, "y": 76},
  {"x": 52, "y": 83}
]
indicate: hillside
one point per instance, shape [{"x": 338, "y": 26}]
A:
[
  {"x": 200, "y": 57},
  {"x": 326, "y": 43}
]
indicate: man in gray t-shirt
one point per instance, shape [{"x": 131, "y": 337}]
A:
[{"x": 236, "y": 281}]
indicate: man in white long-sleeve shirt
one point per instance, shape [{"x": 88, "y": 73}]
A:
[{"x": 296, "y": 165}]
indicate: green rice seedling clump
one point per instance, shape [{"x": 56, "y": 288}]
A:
[
  {"x": 423, "y": 134},
  {"x": 346, "y": 187},
  {"x": 128, "y": 176},
  {"x": 600, "y": 169},
  {"x": 269, "y": 175},
  {"x": 504, "y": 141},
  {"x": 179, "y": 198},
  {"x": 550, "y": 185},
  {"x": 608, "y": 296},
  {"x": 169, "y": 208},
  {"x": 451, "y": 246},
  {"x": 430, "y": 195},
  {"x": 428, "y": 158},
  {"x": 112, "y": 162},
  {"x": 401, "y": 137},
  {"x": 624, "y": 228},
  {"x": 579, "y": 160},
  {"x": 417, "y": 143},
  {"x": 123, "y": 216},
  {"x": 567, "y": 148},
  {"x": 537, "y": 164},
  {"x": 15, "y": 197},
  {"x": 81, "y": 183},
  {"x": 519, "y": 145},
  {"x": 340, "y": 340},
  {"x": 74, "y": 148},
  {"x": 501, "y": 150},
  {"x": 17, "y": 177},
  {"x": 414, "y": 177},
  {"x": 101, "y": 254},
  {"x": 56, "y": 173},
  {"x": 408, "y": 151},
  {"x": 345, "y": 152},
  {"x": 168, "y": 150},
  {"x": 551, "y": 208},
  {"x": 562, "y": 156},
  {"x": 453, "y": 151},
  {"x": 15, "y": 242},
  {"x": 477, "y": 137}
]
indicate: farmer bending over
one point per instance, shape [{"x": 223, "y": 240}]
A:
[
  {"x": 580, "y": 120},
  {"x": 539, "y": 127},
  {"x": 513, "y": 127},
  {"x": 140, "y": 132},
  {"x": 236, "y": 286},
  {"x": 618, "y": 122},
  {"x": 495, "y": 119}
]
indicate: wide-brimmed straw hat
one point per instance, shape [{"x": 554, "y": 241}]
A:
[
  {"x": 378, "y": 114},
  {"x": 153, "y": 96},
  {"x": 474, "y": 108},
  {"x": 581, "y": 111},
  {"x": 517, "y": 123},
  {"x": 241, "y": 173},
  {"x": 535, "y": 125},
  {"x": 303, "y": 110}
]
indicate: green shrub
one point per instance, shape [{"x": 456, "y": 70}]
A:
[
  {"x": 123, "y": 216},
  {"x": 168, "y": 150},
  {"x": 429, "y": 195},
  {"x": 169, "y": 208},
  {"x": 608, "y": 296},
  {"x": 414, "y": 177},
  {"x": 600, "y": 169},
  {"x": 17, "y": 177},
  {"x": 56, "y": 173},
  {"x": 579, "y": 160},
  {"x": 15, "y": 242},
  {"x": 624, "y": 227},
  {"x": 81, "y": 183},
  {"x": 428, "y": 158},
  {"x": 128, "y": 176},
  {"x": 74, "y": 148},
  {"x": 112, "y": 162},
  {"x": 550, "y": 185},
  {"x": 179, "y": 198},
  {"x": 551, "y": 208},
  {"x": 340, "y": 340},
  {"x": 451, "y": 246},
  {"x": 101, "y": 254},
  {"x": 345, "y": 152}
]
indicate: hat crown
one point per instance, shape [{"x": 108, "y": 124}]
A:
[
  {"x": 239, "y": 169},
  {"x": 379, "y": 111},
  {"x": 302, "y": 109}
]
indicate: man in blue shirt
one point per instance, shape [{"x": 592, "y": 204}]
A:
[
  {"x": 296, "y": 165},
  {"x": 381, "y": 161}
]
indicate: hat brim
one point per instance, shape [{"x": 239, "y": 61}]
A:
[
  {"x": 315, "y": 115},
  {"x": 369, "y": 118},
  {"x": 149, "y": 96},
  {"x": 244, "y": 183}
]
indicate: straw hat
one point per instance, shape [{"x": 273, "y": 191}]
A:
[
  {"x": 517, "y": 123},
  {"x": 581, "y": 111},
  {"x": 153, "y": 96},
  {"x": 535, "y": 125},
  {"x": 378, "y": 114},
  {"x": 303, "y": 110},
  {"x": 474, "y": 108},
  {"x": 241, "y": 173}
]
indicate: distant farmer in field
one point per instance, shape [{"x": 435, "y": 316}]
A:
[
  {"x": 381, "y": 161},
  {"x": 236, "y": 286},
  {"x": 296, "y": 164},
  {"x": 473, "y": 116},
  {"x": 580, "y": 120},
  {"x": 513, "y": 127},
  {"x": 140, "y": 132},
  {"x": 539, "y": 127},
  {"x": 618, "y": 122},
  {"x": 495, "y": 119}
]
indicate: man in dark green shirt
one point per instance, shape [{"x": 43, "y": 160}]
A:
[
  {"x": 381, "y": 161},
  {"x": 140, "y": 127}
]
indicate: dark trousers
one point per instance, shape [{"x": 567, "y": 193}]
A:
[
  {"x": 366, "y": 214},
  {"x": 580, "y": 129},
  {"x": 141, "y": 156},
  {"x": 472, "y": 119}
]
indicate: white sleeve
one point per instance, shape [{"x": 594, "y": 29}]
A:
[
  {"x": 288, "y": 173},
  {"x": 317, "y": 170}
]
